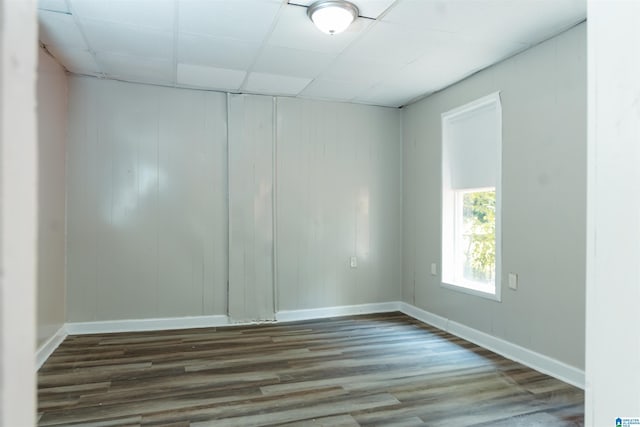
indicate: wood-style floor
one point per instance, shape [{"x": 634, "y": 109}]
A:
[{"x": 382, "y": 370}]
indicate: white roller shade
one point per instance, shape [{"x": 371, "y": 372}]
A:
[{"x": 471, "y": 144}]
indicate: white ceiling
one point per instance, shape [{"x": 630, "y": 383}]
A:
[{"x": 398, "y": 51}]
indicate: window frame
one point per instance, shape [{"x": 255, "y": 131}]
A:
[{"x": 449, "y": 205}]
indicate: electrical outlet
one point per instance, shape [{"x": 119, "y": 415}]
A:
[
  {"x": 513, "y": 281},
  {"x": 353, "y": 262}
]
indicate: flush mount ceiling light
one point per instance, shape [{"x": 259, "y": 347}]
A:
[{"x": 332, "y": 16}]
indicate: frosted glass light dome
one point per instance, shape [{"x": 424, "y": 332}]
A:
[{"x": 332, "y": 16}]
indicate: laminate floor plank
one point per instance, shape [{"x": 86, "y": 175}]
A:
[
  {"x": 251, "y": 410},
  {"x": 369, "y": 370},
  {"x": 318, "y": 409},
  {"x": 335, "y": 421}
]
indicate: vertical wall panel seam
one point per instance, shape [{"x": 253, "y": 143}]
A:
[
  {"x": 274, "y": 202},
  {"x": 203, "y": 245},
  {"x": 228, "y": 227},
  {"x": 157, "y": 284},
  {"x": 401, "y": 228},
  {"x": 65, "y": 268},
  {"x": 96, "y": 283}
]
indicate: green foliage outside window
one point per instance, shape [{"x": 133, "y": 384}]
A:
[{"x": 479, "y": 216}]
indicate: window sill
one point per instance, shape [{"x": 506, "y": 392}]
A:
[{"x": 467, "y": 290}]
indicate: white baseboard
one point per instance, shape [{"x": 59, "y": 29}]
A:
[
  {"x": 537, "y": 361},
  {"x": 44, "y": 351},
  {"x": 135, "y": 325},
  {"x": 424, "y": 316},
  {"x": 342, "y": 310}
]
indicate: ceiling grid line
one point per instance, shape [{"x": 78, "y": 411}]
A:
[
  {"x": 262, "y": 45},
  {"x": 413, "y": 48}
]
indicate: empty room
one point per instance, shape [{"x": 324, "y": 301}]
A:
[{"x": 331, "y": 213}]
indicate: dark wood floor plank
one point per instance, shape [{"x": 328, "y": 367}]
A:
[
  {"x": 382, "y": 369},
  {"x": 241, "y": 410},
  {"x": 302, "y": 413},
  {"x": 333, "y": 421}
]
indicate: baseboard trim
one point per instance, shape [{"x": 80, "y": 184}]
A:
[
  {"x": 424, "y": 316},
  {"x": 532, "y": 359},
  {"x": 342, "y": 310},
  {"x": 48, "y": 347},
  {"x": 138, "y": 325}
]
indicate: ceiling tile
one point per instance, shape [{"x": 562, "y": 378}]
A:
[
  {"x": 210, "y": 77},
  {"x": 423, "y": 77},
  {"x": 296, "y": 31},
  {"x": 292, "y": 62},
  {"x": 53, "y": 5},
  {"x": 158, "y": 14},
  {"x": 449, "y": 57},
  {"x": 275, "y": 84},
  {"x": 442, "y": 15},
  {"x": 369, "y": 8},
  {"x": 388, "y": 96},
  {"x": 216, "y": 52},
  {"x": 335, "y": 90},
  {"x": 128, "y": 67},
  {"x": 59, "y": 29},
  {"x": 247, "y": 20},
  {"x": 388, "y": 43},
  {"x": 128, "y": 39},
  {"x": 77, "y": 61},
  {"x": 346, "y": 68},
  {"x": 525, "y": 21}
]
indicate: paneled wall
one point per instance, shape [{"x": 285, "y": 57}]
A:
[
  {"x": 52, "y": 141},
  {"x": 147, "y": 210},
  {"x": 338, "y": 196},
  {"x": 166, "y": 218},
  {"x": 251, "y": 291},
  {"x": 543, "y": 92}
]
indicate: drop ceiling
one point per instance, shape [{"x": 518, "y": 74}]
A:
[{"x": 396, "y": 52}]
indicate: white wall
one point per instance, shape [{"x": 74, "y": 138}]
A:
[
  {"x": 148, "y": 175},
  {"x": 251, "y": 292},
  {"x": 147, "y": 211},
  {"x": 613, "y": 228},
  {"x": 543, "y": 207},
  {"x": 18, "y": 215},
  {"x": 338, "y": 195},
  {"x": 52, "y": 141}
]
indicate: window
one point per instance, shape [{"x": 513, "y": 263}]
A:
[{"x": 471, "y": 176}]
